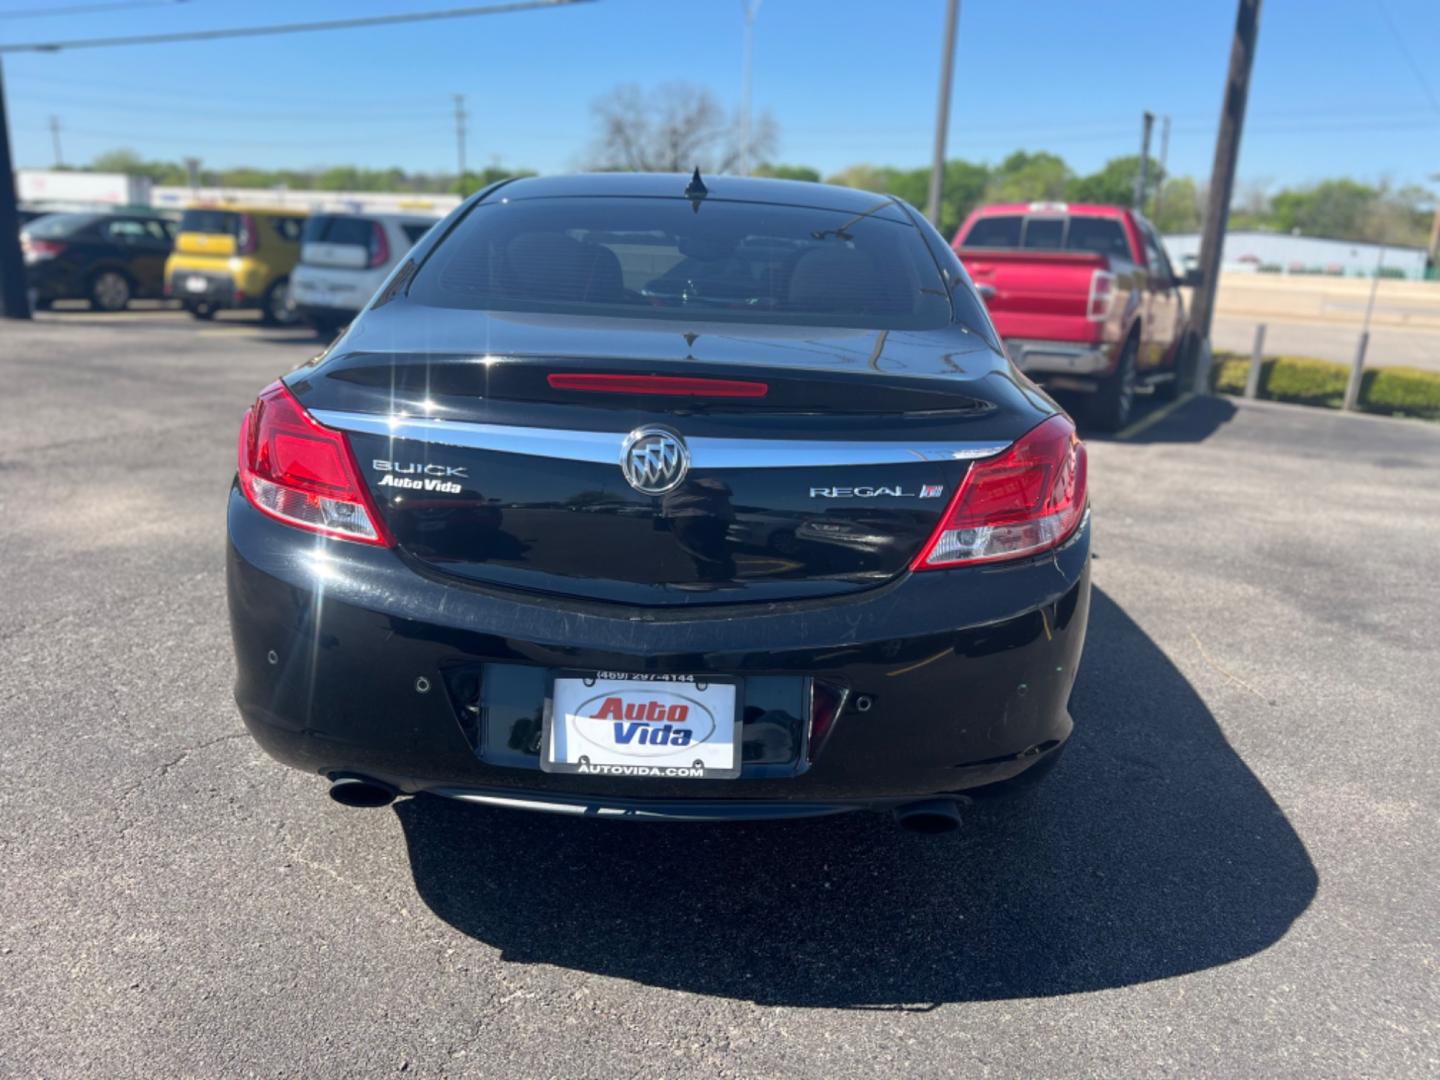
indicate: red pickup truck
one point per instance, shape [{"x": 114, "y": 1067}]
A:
[{"x": 1084, "y": 298}]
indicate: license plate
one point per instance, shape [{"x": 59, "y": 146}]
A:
[
  {"x": 196, "y": 284},
  {"x": 617, "y": 724}
]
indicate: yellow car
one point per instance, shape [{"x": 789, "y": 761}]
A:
[{"x": 236, "y": 257}]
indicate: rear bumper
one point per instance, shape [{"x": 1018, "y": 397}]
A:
[
  {"x": 351, "y": 661},
  {"x": 325, "y": 315},
  {"x": 51, "y": 282},
  {"x": 1059, "y": 363},
  {"x": 193, "y": 287},
  {"x": 338, "y": 295}
]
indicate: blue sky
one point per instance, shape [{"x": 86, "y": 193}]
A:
[{"x": 847, "y": 81}]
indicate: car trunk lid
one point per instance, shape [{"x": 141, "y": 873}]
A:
[{"x": 818, "y": 463}]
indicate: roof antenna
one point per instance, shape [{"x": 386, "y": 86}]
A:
[{"x": 696, "y": 190}]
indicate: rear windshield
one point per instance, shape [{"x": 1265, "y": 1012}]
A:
[
  {"x": 413, "y": 233},
  {"x": 59, "y": 224},
  {"x": 661, "y": 258},
  {"x": 338, "y": 229},
  {"x": 1045, "y": 233},
  {"x": 214, "y": 222},
  {"x": 1105, "y": 236},
  {"x": 994, "y": 232}
]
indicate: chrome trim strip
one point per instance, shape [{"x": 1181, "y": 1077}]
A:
[
  {"x": 604, "y": 447},
  {"x": 645, "y": 810}
]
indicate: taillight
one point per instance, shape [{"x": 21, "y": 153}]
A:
[
  {"x": 39, "y": 250},
  {"x": 379, "y": 246},
  {"x": 247, "y": 237},
  {"x": 302, "y": 473},
  {"x": 1022, "y": 502},
  {"x": 1102, "y": 295}
]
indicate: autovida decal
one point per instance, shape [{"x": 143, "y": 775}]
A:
[{"x": 654, "y": 724}]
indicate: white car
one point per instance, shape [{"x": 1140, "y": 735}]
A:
[{"x": 344, "y": 258}]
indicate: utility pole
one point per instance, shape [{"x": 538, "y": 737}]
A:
[
  {"x": 942, "y": 112},
  {"x": 55, "y": 140},
  {"x": 1222, "y": 180},
  {"x": 192, "y": 174},
  {"x": 1435, "y": 231},
  {"x": 1357, "y": 369},
  {"x": 751, "y": 9},
  {"x": 1164, "y": 156},
  {"x": 460, "y": 141},
  {"x": 1142, "y": 177},
  {"x": 14, "y": 301}
]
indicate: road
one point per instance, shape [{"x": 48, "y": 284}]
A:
[
  {"x": 1390, "y": 346},
  {"x": 1231, "y": 873}
]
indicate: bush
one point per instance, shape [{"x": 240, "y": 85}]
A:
[
  {"x": 1228, "y": 374},
  {"x": 1401, "y": 390},
  {"x": 1303, "y": 380}
]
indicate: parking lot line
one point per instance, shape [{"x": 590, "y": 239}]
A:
[{"x": 1149, "y": 420}]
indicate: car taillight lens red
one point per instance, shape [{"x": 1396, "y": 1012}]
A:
[
  {"x": 1022, "y": 502},
  {"x": 36, "y": 250},
  {"x": 1102, "y": 294},
  {"x": 302, "y": 473},
  {"x": 379, "y": 246},
  {"x": 247, "y": 239}
]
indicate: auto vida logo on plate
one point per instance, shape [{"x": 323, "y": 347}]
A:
[
  {"x": 654, "y": 460},
  {"x": 644, "y": 727}
]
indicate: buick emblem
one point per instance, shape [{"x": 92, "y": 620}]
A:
[{"x": 654, "y": 460}]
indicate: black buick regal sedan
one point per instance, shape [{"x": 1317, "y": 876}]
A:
[{"x": 668, "y": 497}]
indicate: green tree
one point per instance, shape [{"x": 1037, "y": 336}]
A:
[
  {"x": 474, "y": 181},
  {"x": 865, "y": 177},
  {"x": 119, "y": 161},
  {"x": 1114, "y": 184},
  {"x": 1179, "y": 206},
  {"x": 1335, "y": 208},
  {"x": 244, "y": 176},
  {"x": 130, "y": 162},
  {"x": 1026, "y": 177},
  {"x": 962, "y": 189},
  {"x": 787, "y": 172}
]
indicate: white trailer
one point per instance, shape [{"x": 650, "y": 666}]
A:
[{"x": 64, "y": 190}]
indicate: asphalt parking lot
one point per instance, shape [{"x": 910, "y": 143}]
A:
[{"x": 1232, "y": 872}]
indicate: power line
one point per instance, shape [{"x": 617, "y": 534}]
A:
[
  {"x": 167, "y": 110},
  {"x": 186, "y": 140},
  {"x": 170, "y": 93},
  {"x": 86, "y": 9},
  {"x": 286, "y": 28},
  {"x": 1415, "y": 68}
]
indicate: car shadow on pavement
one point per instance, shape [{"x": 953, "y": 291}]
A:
[
  {"x": 1193, "y": 420},
  {"x": 1151, "y": 851}
]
